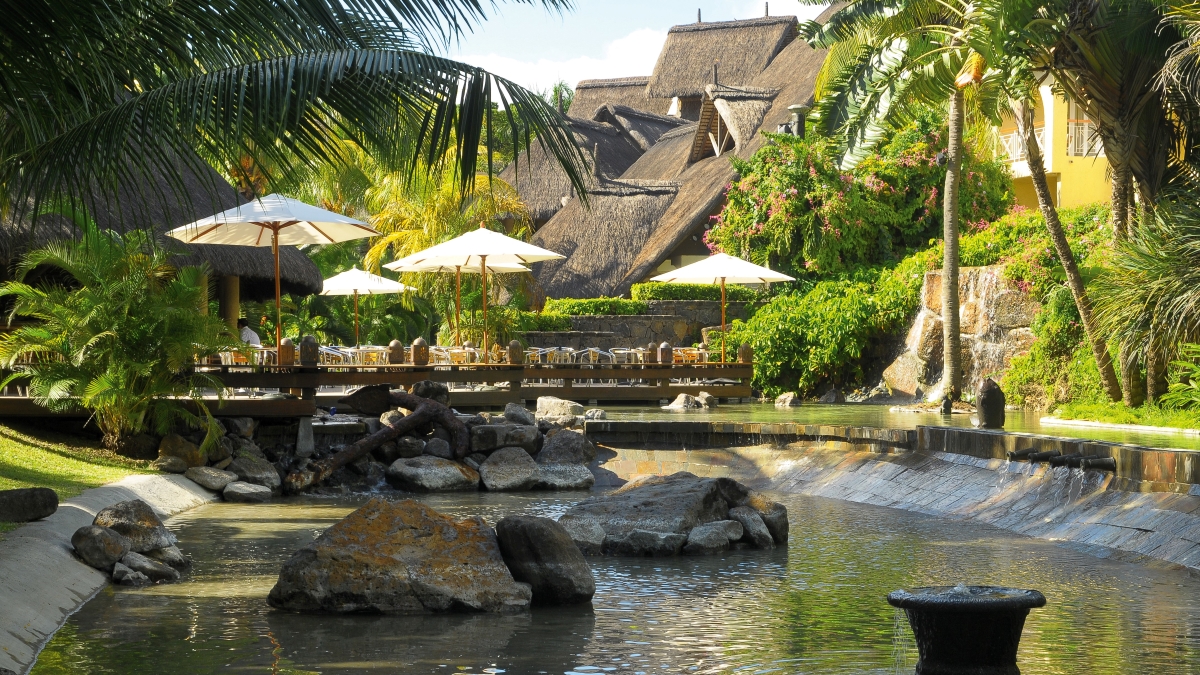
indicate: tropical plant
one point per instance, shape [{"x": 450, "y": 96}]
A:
[
  {"x": 594, "y": 306},
  {"x": 656, "y": 290},
  {"x": 110, "y": 325},
  {"x": 98, "y": 93}
]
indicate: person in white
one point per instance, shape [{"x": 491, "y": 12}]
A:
[{"x": 248, "y": 336}]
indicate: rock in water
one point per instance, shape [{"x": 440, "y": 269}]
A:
[
  {"x": 154, "y": 570},
  {"x": 834, "y": 395},
  {"x": 517, "y": 414},
  {"x": 488, "y": 437},
  {"x": 99, "y": 547},
  {"x": 566, "y": 447},
  {"x": 210, "y": 478},
  {"x": 170, "y": 556},
  {"x": 644, "y": 542},
  {"x": 509, "y": 470},
  {"x": 755, "y": 530},
  {"x": 127, "y": 577},
  {"x": 787, "y": 400},
  {"x": 431, "y": 474},
  {"x": 683, "y": 402},
  {"x": 246, "y": 493},
  {"x": 551, "y": 406},
  {"x": 26, "y": 504},
  {"x": 773, "y": 514},
  {"x": 712, "y": 537},
  {"x": 564, "y": 477},
  {"x": 401, "y": 557},
  {"x": 136, "y": 521},
  {"x": 251, "y": 469},
  {"x": 706, "y": 400},
  {"x": 595, "y": 414},
  {"x": 989, "y": 401},
  {"x": 539, "y": 552}
]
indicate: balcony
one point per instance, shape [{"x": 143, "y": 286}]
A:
[
  {"x": 1083, "y": 140},
  {"x": 1013, "y": 146}
]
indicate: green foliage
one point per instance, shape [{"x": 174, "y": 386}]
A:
[
  {"x": 795, "y": 209},
  {"x": 601, "y": 306},
  {"x": 654, "y": 290},
  {"x": 1060, "y": 367},
  {"x": 1117, "y": 413},
  {"x": 1184, "y": 391},
  {"x": 505, "y": 323},
  {"x": 117, "y": 335}
]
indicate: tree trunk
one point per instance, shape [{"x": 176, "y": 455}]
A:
[
  {"x": 1037, "y": 173},
  {"x": 1156, "y": 368},
  {"x": 951, "y": 339},
  {"x": 1120, "y": 197},
  {"x": 1132, "y": 385}
]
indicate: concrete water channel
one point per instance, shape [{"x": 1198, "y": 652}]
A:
[{"x": 872, "y": 510}]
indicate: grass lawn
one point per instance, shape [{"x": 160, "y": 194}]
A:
[
  {"x": 1116, "y": 413},
  {"x": 67, "y": 464}
]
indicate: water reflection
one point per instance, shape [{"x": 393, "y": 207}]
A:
[{"x": 815, "y": 607}]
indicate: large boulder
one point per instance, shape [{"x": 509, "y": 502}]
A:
[
  {"x": 431, "y": 474},
  {"x": 99, "y": 547},
  {"x": 221, "y": 450},
  {"x": 683, "y": 402},
  {"x": 26, "y": 504},
  {"x": 139, "y": 446},
  {"x": 509, "y": 470},
  {"x": 126, "y": 577},
  {"x": 153, "y": 569},
  {"x": 539, "y": 552},
  {"x": 564, "y": 477},
  {"x": 787, "y": 399},
  {"x": 489, "y": 437},
  {"x": 244, "y": 447},
  {"x": 712, "y": 537},
  {"x": 774, "y": 515},
  {"x": 517, "y": 414},
  {"x": 438, "y": 447},
  {"x": 409, "y": 446},
  {"x": 566, "y": 447},
  {"x": 174, "y": 445},
  {"x": 587, "y": 535},
  {"x": 169, "y": 465},
  {"x": 551, "y": 406},
  {"x": 251, "y": 469},
  {"x": 246, "y": 493},
  {"x": 137, "y": 522},
  {"x": 706, "y": 400},
  {"x": 754, "y": 529},
  {"x": 170, "y": 556},
  {"x": 210, "y": 478},
  {"x": 436, "y": 391},
  {"x": 989, "y": 401},
  {"x": 644, "y": 543},
  {"x": 240, "y": 426},
  {"x": 400, "y": 557}
]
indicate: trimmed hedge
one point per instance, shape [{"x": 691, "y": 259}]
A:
[
  {"x": 546, "y": 321},
  {"x": 655, "y": 290},
  {"x": 601, "y": 306}
]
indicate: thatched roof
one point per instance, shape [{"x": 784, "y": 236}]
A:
[
  {"x": 162, "y": 207},
  {"x": 729, "y": 118},
  {"x": 643, "y": 127},
  {"x": 600, "y": 242},
  {"x": 626, "y": 91},
  {"x": 540, "y": 181},
  {"x": 743, "y": 48}
]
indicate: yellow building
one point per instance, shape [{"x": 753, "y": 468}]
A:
[{"x": 1075, "y": 165}]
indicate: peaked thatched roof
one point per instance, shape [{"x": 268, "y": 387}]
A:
[
  {"x": 540, "y": 181},
  {"x": 165, "y": 206},
  {"x": 743, "y": 48},
  {"x": 643, "y": 127},
  {"x": 626, "y": 91},
  {"x": 729, "y": 118},
  {"x": 600, "y": 242}
]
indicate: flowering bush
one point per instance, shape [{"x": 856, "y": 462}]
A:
[{"x": 795, "y": 209}]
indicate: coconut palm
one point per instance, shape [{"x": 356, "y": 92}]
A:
[{"x": 98, "y": 93}]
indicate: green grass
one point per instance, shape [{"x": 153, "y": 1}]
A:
[
  {"x": 67, "y": 464},
  {"x": 1116, "y": 413}
]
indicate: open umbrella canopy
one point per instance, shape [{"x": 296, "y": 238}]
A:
[
  {"x": 356, "y": 281},
  {"x": 254, "y": 223},
  {"x": 503, "y": 268},
  {"x": 722, "y": 267},
  {"x": 475, "y": 248}
]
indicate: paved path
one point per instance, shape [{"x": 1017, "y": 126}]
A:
[{"x": 42, "y": 583}]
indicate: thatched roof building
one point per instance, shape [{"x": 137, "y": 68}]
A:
[
  {"x": 740, "y": 50},
  {"x": 729, "y": 118},
  {"x": 626, "y": 91},
  {"x": 643, "y": 127}
]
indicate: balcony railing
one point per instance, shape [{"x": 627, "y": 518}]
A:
[
  {"x": 1014, "y": 146},
  {"x": 1083, "y": 140}
]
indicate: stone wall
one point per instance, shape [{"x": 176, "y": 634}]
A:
[
  {"x": 675, "y": 321},
  {"x": 994, "y": 320}
]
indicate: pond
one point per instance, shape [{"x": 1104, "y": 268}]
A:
[{"x": 816, "y": 606}]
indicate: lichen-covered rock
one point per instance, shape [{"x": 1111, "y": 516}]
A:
[
  {"x": 391, "y": 417},
  {"x": 174, "y": 445},
  {"x": 539, "y": 552},
  {"x": 137, "y": 522},
  {"x": 774, "y": 515},
  {"x": 754, "y": 529},
  {"x": 517, "y": 414},
  {"x": 210, "y": 478},
  {"x": 566, "y": 447},
  {"x": 587, "y": 535},
  {"x": 712, "y": 537},
  {"x": 431, "y": 474},
  {"x": 400, "y": 557},
  {"x": 475, "y": 460},
  {"x": 409, "y": 446},
  {"x": 509, "y": 470},
  {"x": 489, "y": 437},
  {"x": 551, "y": 406},
  {"x": 169, "y": 465},
  {"x": 246, "y": 493},
  {"x": 438, "y": 447},
  {"x": 251, "y": 469},
  {"x": 27, "y": 504},
  {"x": 99, "y": 547},
  {"x": 244, "y": 447},
  {"x": 564, "y": 477},
  {"x": 644, "y": 543},
  {"x": 154, "y": 570}
]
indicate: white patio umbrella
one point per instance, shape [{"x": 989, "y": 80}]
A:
[
  {"x": 355, "y": 281},
  {"x": 399, "y": 266},
  {"x": 482, "y": 249},
  {"x": 720, "y": 269},
  {"x": 288, "y": 222}
]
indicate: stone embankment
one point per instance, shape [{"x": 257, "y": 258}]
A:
[
  {"x": 1148, "y": 511},
  {"x": 677, "y": 322}
]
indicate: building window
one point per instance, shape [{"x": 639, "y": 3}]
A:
[
  {"x": 1014, "y": 146},
  {"x": 1082, "y": 137}
]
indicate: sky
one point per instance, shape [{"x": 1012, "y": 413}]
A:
[{"x": 598, "y": 39}]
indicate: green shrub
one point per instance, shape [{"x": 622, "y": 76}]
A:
[
  {"x": 600, "y": 306},
  {"x": 659, "y": 291},
  {"x": 545, "y": 321}
]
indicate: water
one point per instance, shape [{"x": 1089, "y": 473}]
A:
[
  {"x": 871, "y": 415},
  {"x": 817, "y": 606}
]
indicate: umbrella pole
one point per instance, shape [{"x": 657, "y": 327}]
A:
[
  {"x": 357, "y": 342},
  {"x": 278, "y": 311},
  {"x": 722, "y": 319},
  {"x": 483, "y": 274},
  {"x": 458, "y": 306}
]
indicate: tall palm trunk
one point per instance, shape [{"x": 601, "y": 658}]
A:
[
  {"x": 951, "y": 338},
  {"x": 1037, "y": 173},
  {"x": 1133, "y": 387}
]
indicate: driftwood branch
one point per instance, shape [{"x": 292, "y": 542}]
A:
[{"x": 460, "y": 436}]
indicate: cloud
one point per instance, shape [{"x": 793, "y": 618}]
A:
[{"x": 634, "y": 54}]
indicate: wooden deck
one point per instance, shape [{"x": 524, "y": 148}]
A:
[{"x": 491, "y": 385}]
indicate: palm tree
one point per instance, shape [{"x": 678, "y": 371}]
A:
[
  {"x": 885, "y": 55},
  {"x": 98, "y": 94}
]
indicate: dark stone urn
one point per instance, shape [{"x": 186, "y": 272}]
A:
[{"x": 967, "y": 630}]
